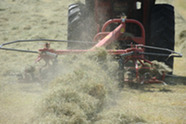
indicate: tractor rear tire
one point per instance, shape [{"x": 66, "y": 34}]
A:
[
  {"x": 90, "y": 4},
  {"x": 162, "y": 31},
  {"x": 79, "y": 26},
  {"x": 75, "y": 17}
]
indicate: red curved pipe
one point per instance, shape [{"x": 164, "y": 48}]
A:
[{"x": 142, "y": 39}]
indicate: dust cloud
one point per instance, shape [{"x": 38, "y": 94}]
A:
[{"x": 81, "y": 89}]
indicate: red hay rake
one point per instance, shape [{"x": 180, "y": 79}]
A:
[{"x": 136, "y": 53}]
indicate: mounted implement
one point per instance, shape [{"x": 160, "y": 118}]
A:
[{"x": 131, "y": 25}]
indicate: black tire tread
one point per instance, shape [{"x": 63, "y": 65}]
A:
[
  {"x": 79, "y": 25},
  {"x": 162, "y": 30}
]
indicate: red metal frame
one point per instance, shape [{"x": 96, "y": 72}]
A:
[
  {"x": 118, "y": 31},
  {"x": 105, "y": 40}
]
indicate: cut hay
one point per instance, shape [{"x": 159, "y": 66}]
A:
[
  {"x": 157, "y": 69},
  {"x": 78, "y": 96},
  {"x": 160, "y": 68},
  {"x": 118, "y": 117},
  {"x": 85, "y": 90}
]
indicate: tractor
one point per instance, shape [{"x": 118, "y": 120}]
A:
[{"x": 86, "y": 20}]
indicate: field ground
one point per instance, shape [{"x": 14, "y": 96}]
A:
[{"x": 25, "y": 19}]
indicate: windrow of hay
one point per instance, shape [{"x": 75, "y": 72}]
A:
[
  {"x": 85, "y": 90},
  {"x": 118, "y": 116},
  {"x": 79, "y": 94}
]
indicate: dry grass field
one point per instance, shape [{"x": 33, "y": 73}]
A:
[{"x": 46, "y": 101}]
